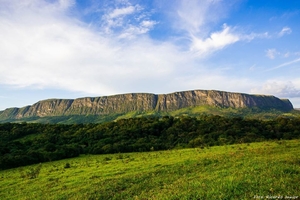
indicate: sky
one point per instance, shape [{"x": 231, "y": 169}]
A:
[{"x": 78, "y": 48}]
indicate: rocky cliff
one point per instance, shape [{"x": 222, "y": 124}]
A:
[{"x": 124, "y": 103}]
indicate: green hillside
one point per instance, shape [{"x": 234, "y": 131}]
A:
[
  {"x": 242, "y": 171},
  {"x": 29, "y": 143},
  {"x": 195, "y": 111}
]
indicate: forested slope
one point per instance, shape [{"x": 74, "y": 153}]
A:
[{"x": 25, "y": 143}]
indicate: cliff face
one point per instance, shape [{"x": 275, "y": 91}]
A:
[
  {"x": 124, "y": 103},
  {"x": 168, "y": 102}
]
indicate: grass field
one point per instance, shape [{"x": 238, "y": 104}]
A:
[{"x": 265, "y": 170}]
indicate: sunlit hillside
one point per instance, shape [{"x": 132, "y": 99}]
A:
[{"x": 241, "y": 171}]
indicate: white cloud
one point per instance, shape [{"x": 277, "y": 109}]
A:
[
  {"x": 126, "y": 21},
  {"x": 285, "y": 31},
  {"x": 285, "y": 64},
  {"x": 193, "y": 16},
  {"x": 197, "y": 19},
  {"x": 54, "y": 51},
  {"x": 56, "y": 7},
  {"x": 42, "y": 46},
  {"x": 132, "y": 31},
  {"x": 271, "y": 53},
  {"x": 233, "y": 84},
  {"x": 117, "y": 17},
  {"x": 287, "y": 54},
  {"x": 252, "y": 36},
  {"x": 148, "y": 23},
  {"x": 121, "y": 11},
  {"x": 216, "y": 41},
  {"x": 253, "y": 67},
  {"x": 284, "y": 89}
]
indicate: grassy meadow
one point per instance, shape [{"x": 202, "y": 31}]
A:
[{"x": 262, "y": 170}]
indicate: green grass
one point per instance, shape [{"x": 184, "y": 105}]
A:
[
  {"x": 225, "y": 172},
  {"x": 254, "y": 113}
]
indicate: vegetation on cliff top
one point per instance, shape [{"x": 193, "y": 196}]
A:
[{"x": 196, "y": 111}]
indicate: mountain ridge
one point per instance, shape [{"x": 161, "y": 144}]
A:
[{"x": 143, "y": 102}]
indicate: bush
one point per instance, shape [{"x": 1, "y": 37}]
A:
[
  {"x": 32, "y": 173},
  {"x": 107, "y": 158},
  {"x": 67, "y": 165}
]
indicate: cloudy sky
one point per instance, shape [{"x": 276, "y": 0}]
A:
[{"x": 77, "y": 48}]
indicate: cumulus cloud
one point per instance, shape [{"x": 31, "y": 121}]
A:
[
  {"x": 197, "y": 19},
  {"x": 42, "y": 47},
  {"x": 286, "y": 89}
]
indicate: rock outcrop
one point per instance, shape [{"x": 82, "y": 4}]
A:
[{"x": 124, "y": 103}]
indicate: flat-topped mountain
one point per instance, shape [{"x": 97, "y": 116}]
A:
[{"x": 144, "y": 102}]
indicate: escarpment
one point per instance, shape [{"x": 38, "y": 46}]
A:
[
  {"x": 125, "y": 103},
  {"x": 177, "y": 100}
]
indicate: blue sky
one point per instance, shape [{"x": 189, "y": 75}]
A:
[{"x": 77, "y": 48}]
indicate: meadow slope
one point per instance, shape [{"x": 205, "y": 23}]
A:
[{"x": 242, "y": 171}]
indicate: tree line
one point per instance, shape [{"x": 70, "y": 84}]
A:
[{"x": 29, "y": 143}]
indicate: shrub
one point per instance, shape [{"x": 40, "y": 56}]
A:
[
  {"x": 67, "y": 165},
  {"x": 120, "y": 156},
  {"x": 31, "y": 173},
  {"x": 107, "y": 158}
]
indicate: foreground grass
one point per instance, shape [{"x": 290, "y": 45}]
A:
[{"x": 253, "y": 171}]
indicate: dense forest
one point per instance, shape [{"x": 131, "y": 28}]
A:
[{"x": 28, "y": 143}]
